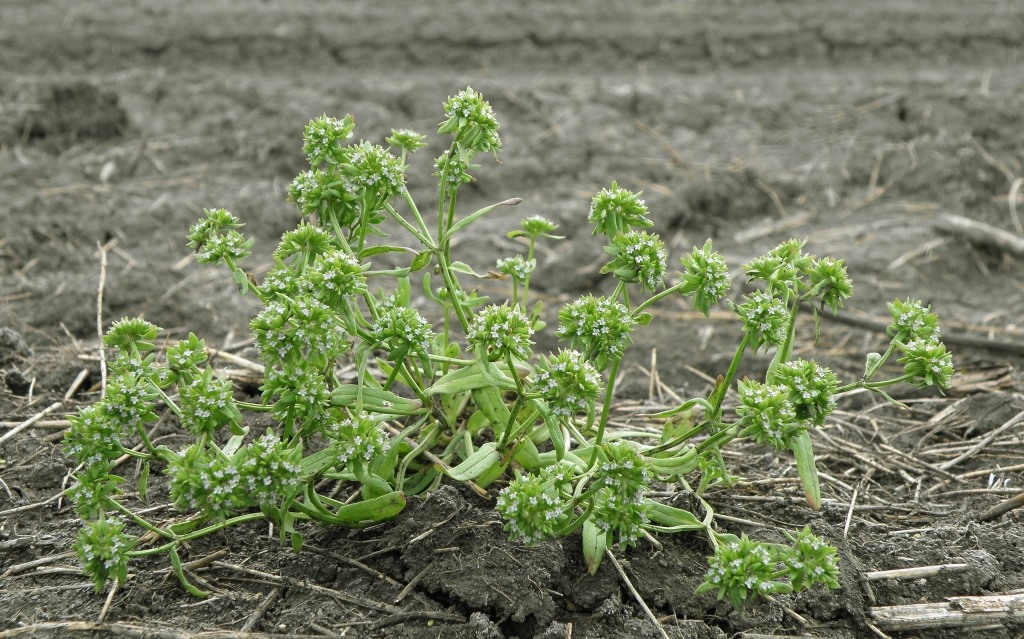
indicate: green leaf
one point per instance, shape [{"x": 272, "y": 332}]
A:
[
  {"x": 180, "y": 572},
  {"x": 241, "y": 280},
  {"x": 554, "y": 430},
  {"x": 678, "y": 464},
  {"x": 643, "y": 319},
  {"x": 143, "y": 480},
  {"x": 804, "y": 453},
  {"x": 476, "y": 464},
  {"x": 465, "y": 269},
  {"x": 420, "y": 261},
  {"x": 676, "y": 518},
  {"x": 595, "y": 543},
  {"x": 375, "y": 400},
  {"x": 233, "y": 444},
  {"x": 370, "y": 511},
  {"x": 370, "y": 251},
  {"x": 475, "y": 215}
]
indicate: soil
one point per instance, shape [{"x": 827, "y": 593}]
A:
[{"x": 854, "y": 125}]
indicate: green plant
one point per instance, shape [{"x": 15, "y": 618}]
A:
[{"x": 457, "y": 390}]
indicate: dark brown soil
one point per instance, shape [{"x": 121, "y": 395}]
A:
[{"x": 855, "y": 125}]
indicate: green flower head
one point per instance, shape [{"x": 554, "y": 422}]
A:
[
  {"x": 639, "y": 257},
  {"x": 207, "y": 403},
  {"x": 811, "y": 388},
  {"x": 401, "y": 329},
  {"x": 187, "y": 354},
  {"x": 767, "y": 415},
  {"x": 536, "y": 226},
  {"x": 811, "y": 561},
  {"x": 598, "y": 327},
  {"x": 705, "y": 277},
  {"x": 829, "y": 281},
  {"x": 356, "y": 440},
  {"x": 534, "y": 506},
  {"x": 103, "y": 546},
  {"x": 471, "y": 120},
  {"x": 453, "y": 168},
  {"x": 216, "y": 238},
  {"x": 567, "y": 382},
  {"x": 374, "y": 174},
  {"x": 743, "y": 570},
  {"x": 615, "y": 210},
  {"x": 305, "y": 240},
  {"x": 912, "y": 321},
  {"x": 269, "y": 470},
  {"x": 337, "y": 278},
  {"x": 93, "y": 439},
  {"x": 408, "y": 141},
  {"x": 500, "y": 331},
  {"x": 765, "y": 319},
  {"x": 517, "y": 267},
  {"x": 621, "y": 508},
  {"x": 321, "y": 136},
  {"x": 131, "y": 333},
  {"x": 927, "y": 363}
]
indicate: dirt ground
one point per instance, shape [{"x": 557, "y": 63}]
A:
[{"x": 860, "y": 126}]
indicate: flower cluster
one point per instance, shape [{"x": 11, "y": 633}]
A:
[
  {"x": 811, "y": 389},
  {"x": 742, "y": 570},
  {"x": 305, "y": 240},
  {"x": 829, "y": 281},
  {"x": 453, "y": 168},
  {"x": 639, "y": 256},
  {"x": 927, "y": 363},
  {"x": 621, "y": 510},
  {"x": 300, "y": 396},
  {"x": 567, "y": 382},
  {"x": 501, "y": 331},
  {"x": 303, "y": 329},
  {"x": 321, "y": 136},
  {"x": 336, "y": 278},
  {"x": 374, "y": 174},
  {"x": 321, "y": 192},
  {"x": 103, "y": 547},
  {"x": 765, "y": 319},
  {"x": 185, "y": 355},
  {"x": 811, "y": 561},
  {"x": 216, "y": 238},
  {"x": 269, "y": 470},
  {"x": 517, "y": 267},
  {"x": 616, "y": 210},
  {"x": 401, "y": 329},
  {"x": 93, "y": 438},
  {"x": 534, "y": 505},
  {"x": 767, "y": 415},
  {"x": 205, "y": 481},
  {"x": 408, "y": 141},
  {"x": 356, "y": 440},
  {"x": 131, "y": 334},
  {"x": 94, "y": 490},
  {"x": 130, "y": 401},
  {"x": 912, "y": 321},
  {"x": 206, "y": 403},
  {"x": 534, "y": 227},
  {"x": 599, "y": 327},
  {"x": 705, "y": 277},
  {"x": 472, "y": 121}
]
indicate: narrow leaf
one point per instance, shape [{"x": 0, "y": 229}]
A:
[
  {"x": 804, "y": 453},
  {"x": 476, "y": 464}
]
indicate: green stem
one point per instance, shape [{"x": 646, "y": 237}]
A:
[
  {"x": 417, "y": 233},
  {"x": 139, "y": 520},
  {"x": 605, "y": 408},
  {"x": 656, "y": 297},
  {"x": 419, "y": 218},
  {"x": 718, "y": 396}
]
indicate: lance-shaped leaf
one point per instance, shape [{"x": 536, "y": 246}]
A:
[
  {"x": 476, "y": 464},
  {"x": 804, "y": 453},
  {"x": 595, "y": 543}
]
